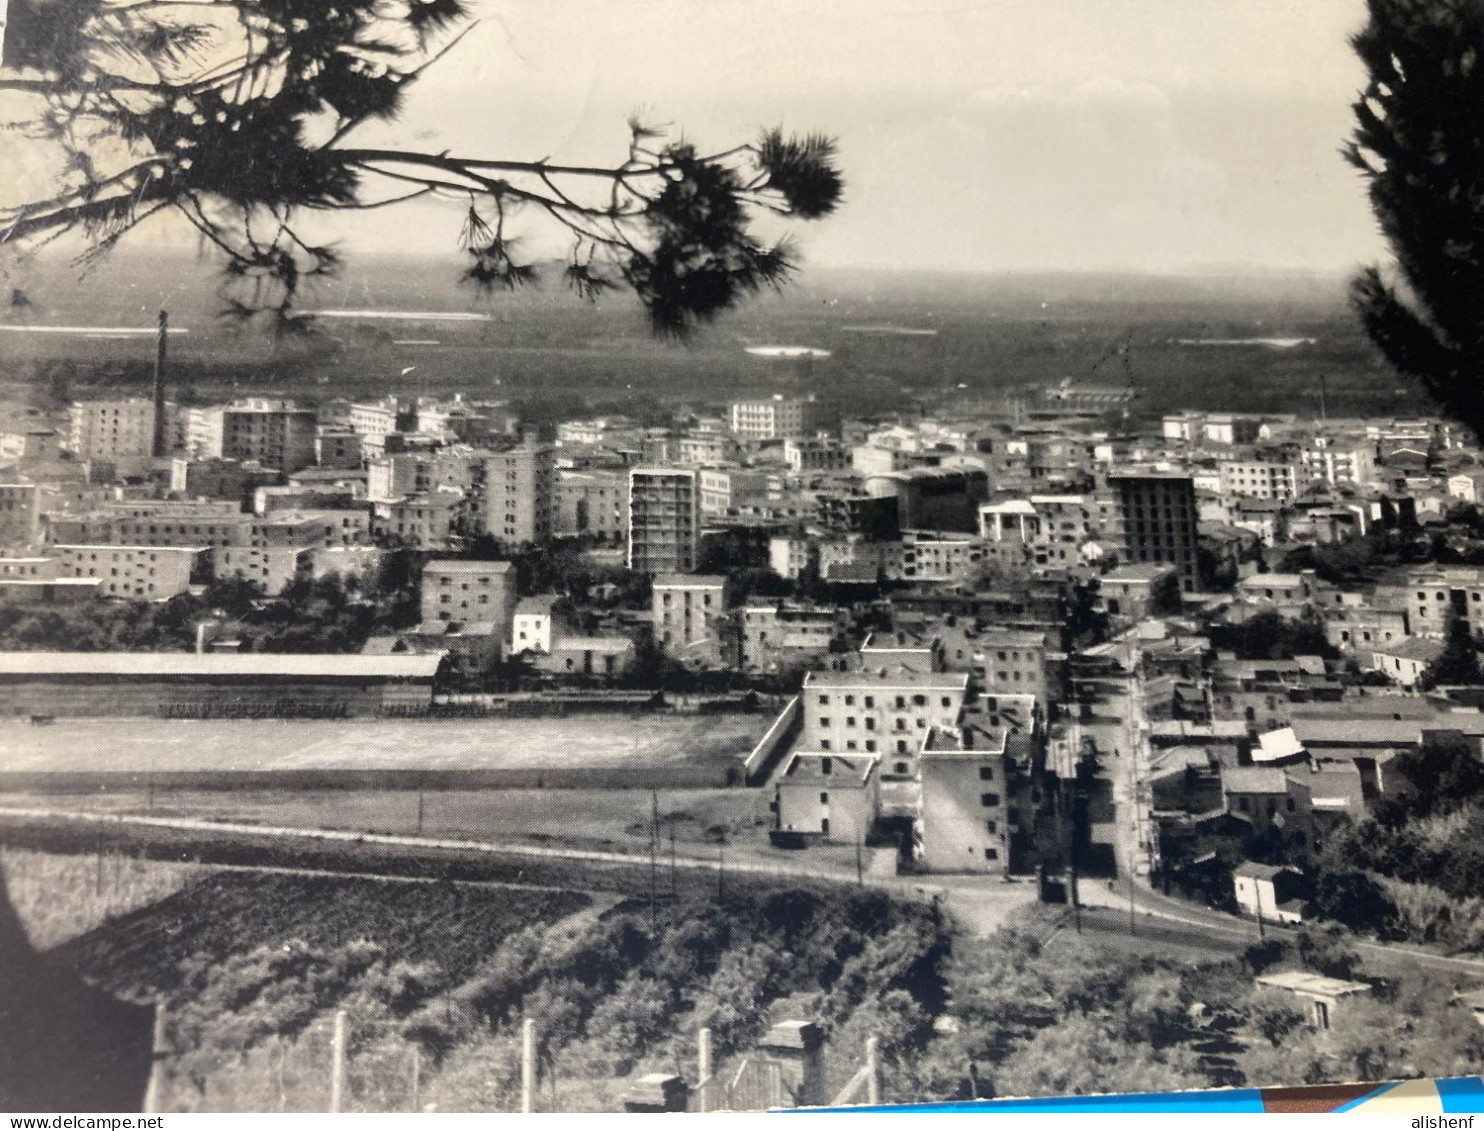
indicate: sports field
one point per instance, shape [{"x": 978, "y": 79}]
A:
[{"x": 587, "y": 741}]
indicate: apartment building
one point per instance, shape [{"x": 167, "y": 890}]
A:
[
  {"x": 685, "y": 610},
  {"x": 879, "y": 712},
  {"x": 150, "y": 573},
  {"x": 465, "y": 591},
  {"x": 1261, "y": 477},
  {"x": 770, "y": 418},
  {"x": 18, "y": 515},
  {"x": 1159, "y": 519},
  {"x": 120, "y": 431},
  {"x": 664, "y": 520},
  {"x": 592, "y": 504},
  {"x": 275, "y": 569},
  {"x": 273, "y": 433},
  {"x": 514, "y": 491}
]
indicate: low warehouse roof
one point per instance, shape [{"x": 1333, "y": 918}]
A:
[{"x": 219, "y": 664}]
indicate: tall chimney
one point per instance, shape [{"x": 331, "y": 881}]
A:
[{"x": 158, "y": 450}]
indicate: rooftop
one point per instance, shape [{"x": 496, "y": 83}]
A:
[
  {"x": 1304, "y": 982},
  {"x": 187, "y": 664},
  {"x": 877, "y": 678},
  {"x": 689, "y": 581},
  {"x": 1254, "y": 779},
  {"x": 449, "y": 566}
]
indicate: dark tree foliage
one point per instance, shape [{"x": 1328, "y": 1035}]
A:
[
  {"x": 1458, "y": 664},
  {"x": 1269, "y": 636},
  {"x": 1419, "y": 143},
  {"x": 238, "y": 116}
]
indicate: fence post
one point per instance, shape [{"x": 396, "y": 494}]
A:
[
  {"x": 873, "y": 1070},
  {"x": 703, "y": 1068},
  {"x": 337, "y": 1064},
  {"x": 527, "y": 1066},
  {"x": 155, "y": 1089},
  {"x": 417, "y": 1068}
]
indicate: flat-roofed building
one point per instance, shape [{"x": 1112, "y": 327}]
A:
[
  {"x": 121, "y": 431},
  {"x": 664, "y": 520},
  {"x": 48, "y": 590},
  {"x": 275, "y": 569},
  {"x": 770, "y": 418},
  {"x": 828, "y": 797},
  {"x": 469, "y": 591},
  {"x": 19, "y": 524},
  {"x": 338, "y": 447},
  {"x": 818, "y": 454},
  {"x": 686, "y": 609},
  {"x": 1262, "y": 477},
  {"x": 515, "y": 492},
  {"x": 273, "y": 433},
  {"x": 964, "y": 824},
  {"x": 789, "y": 634},
  {"x": 1159, "y": 519},
  {"x": 422, "y": 522},
  {"x": 143, "y": 573},
  {"x": 878, "y": 711},
  {"x": 592, "y": 504}
]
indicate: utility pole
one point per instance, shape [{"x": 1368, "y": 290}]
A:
[
  {"x": 703, "y": 1070},
  {"x": 337, "y": 1065},
  {"x": 1076, "y": 899},
  {"x": 527, "y": 1066},
  {"x": 860, "y": 876},
  {"x": 654, "y": 846},
  {"x": 157, "y": 447},
  {"x": 419, "y": 806}
]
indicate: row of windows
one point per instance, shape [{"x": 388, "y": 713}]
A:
[{"x": 901, "y": 701}]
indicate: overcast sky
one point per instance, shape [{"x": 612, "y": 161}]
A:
[{"x": 979, "y": 134}]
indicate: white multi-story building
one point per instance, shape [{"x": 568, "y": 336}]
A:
[
  {"x": 1339, "y": 460},
  {"x": 531, "y": 628},
  {"x": 770, "y": 418},
  {"x": 1261, "y": 478},
  {"x": 374, "y": 420},
  {"x": 886, "y": 712}
]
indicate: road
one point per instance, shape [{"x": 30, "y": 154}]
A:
[
  {"x": 981, "y": 903},
  {"x": 1217, "y": 927}
]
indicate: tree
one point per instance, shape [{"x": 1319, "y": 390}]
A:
[
  {"x": 238, "y": 116},
  {"x": 1457, "y": 664},
  {"x": 1419, "y": 143}
]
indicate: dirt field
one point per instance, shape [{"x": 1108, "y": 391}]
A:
[{"x": 591, "y": 741}]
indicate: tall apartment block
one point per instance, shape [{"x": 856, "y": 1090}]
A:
[
  {"x": 517, "y": 489},
  {"x": 276, "y": 434},
  {"x": 1159, "y": 518},
  {"x": 119, "y": 431},
  {"x": 664, "y": 520}
]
